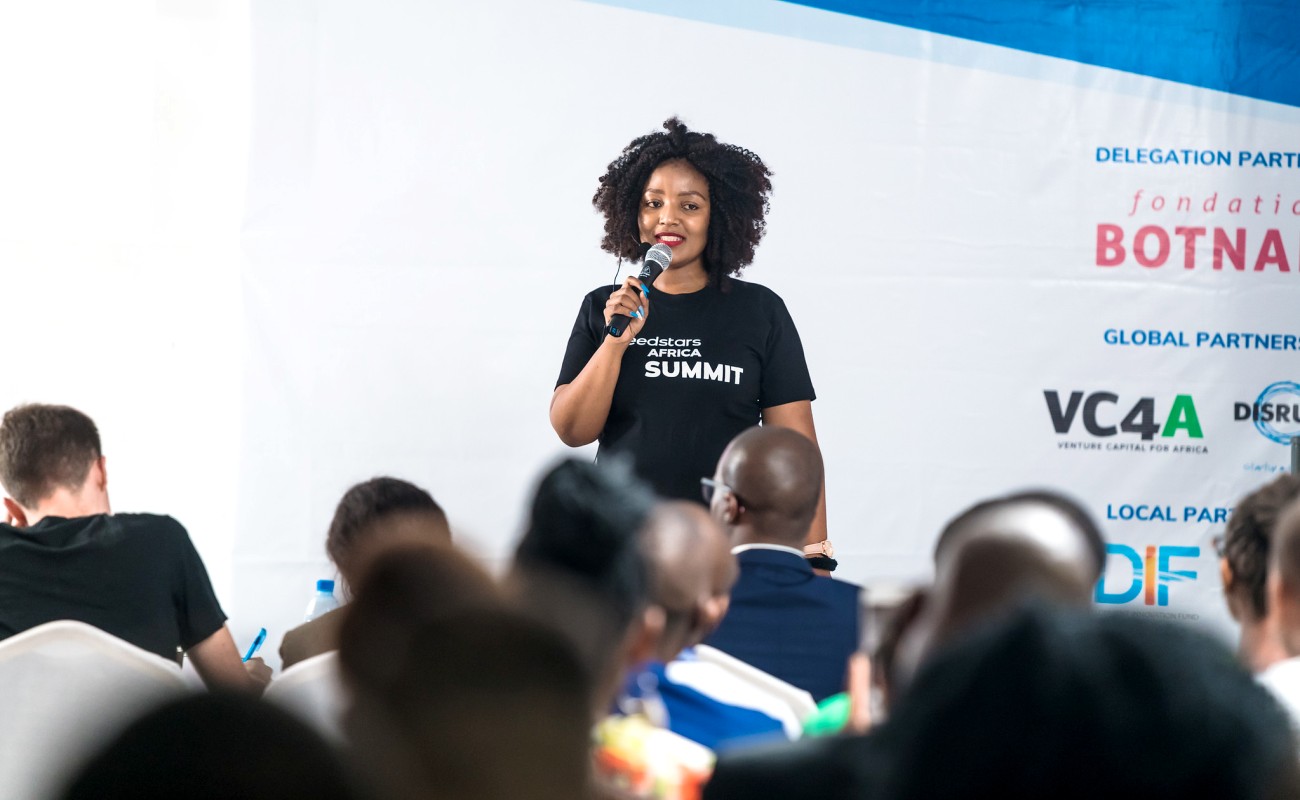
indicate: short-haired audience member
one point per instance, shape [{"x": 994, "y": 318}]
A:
[
  {"x": 1283, "y": 677},
  {"x": 784, "y": 619},
  {"x": 1071, "y": 705},
  {"x": 1037, "y": 545},
  {"x": 1243, "y": 564},
  {"x": 65, "y": 555},
  {"x": 214, "y": 747},
  {"x": 372, "y": 516},
  {"x": 455, "y": 695},
  {"x": 580, "y": 568},
  {"x": 692, "y": 571}
]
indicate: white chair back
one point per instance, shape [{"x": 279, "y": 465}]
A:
[
  {"x": 730, "y": 680},
  {"x": 313, "y": 690},
  {"x": 66, "y": 688}
]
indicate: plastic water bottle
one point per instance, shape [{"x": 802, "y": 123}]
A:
[{"x": 323, "y": 601}]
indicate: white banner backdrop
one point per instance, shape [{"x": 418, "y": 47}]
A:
[
  {"x": 123, "y": 155},
  {"x": 419, "y": 234}
]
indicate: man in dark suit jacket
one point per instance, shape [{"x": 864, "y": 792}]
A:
[{"x": 784, "y": 618}]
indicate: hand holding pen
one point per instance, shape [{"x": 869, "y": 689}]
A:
[{"x": 256, "y": 667}]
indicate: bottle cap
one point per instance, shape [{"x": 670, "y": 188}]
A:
[{"x": 325, "y": 587}]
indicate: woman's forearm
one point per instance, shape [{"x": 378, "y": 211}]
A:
[
  {"x": 817, "y": 532},
  {"x": 798, "y": 416},
  {"x": 579, "y": 409}
]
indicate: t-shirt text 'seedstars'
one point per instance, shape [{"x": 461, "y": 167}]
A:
[{"x": 699, "y": 372}]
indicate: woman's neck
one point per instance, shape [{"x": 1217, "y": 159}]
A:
[{"x": 682, "y": 280}]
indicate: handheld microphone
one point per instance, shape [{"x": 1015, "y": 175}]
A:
[{"x": 657, "y": 259}]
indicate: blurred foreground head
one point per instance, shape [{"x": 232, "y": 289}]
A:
[
  {"x": 405, "y": 587},
  {"x": 454, "y": 695},
  {"x": 692, "y": 571},
  {"x": 214, "y": 747},
  {"x": 580, "y": 567},
  {"x": 1065, "y": 704},
  {"x": 1030, "y": 546}
]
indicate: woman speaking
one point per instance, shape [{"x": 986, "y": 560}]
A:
[{"x": 705, "y": 356}]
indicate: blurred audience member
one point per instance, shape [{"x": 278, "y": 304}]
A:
[
  {"x": 1037, "y": 547},
  {"x": 1070, "y": 705},
  {"x": 885, "y": 656},
  {"x": 1243, "y": 564},
  {"x": 678, "y": 549},
  {"x": 1057, "y": 526},
  {"x": 455, "y": 696},
  {"x": 580, "y": 568},
  {"x": 1283, "y": 677},
  {"x": 993, "y": 556},
  {"x": 692, "y": 571},
  {"x": 404, "y": 587},
  {"x": 374, "y": 515},
  {"x": 214, "y": 747},
  {"x": 65, "y": 555},
  {"x": 783, "y": 619}
]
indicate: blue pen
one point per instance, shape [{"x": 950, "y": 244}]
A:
[{"x": 257, "y": 644}]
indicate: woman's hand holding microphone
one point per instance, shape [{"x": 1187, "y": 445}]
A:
[{"x": 632, "y": 300}]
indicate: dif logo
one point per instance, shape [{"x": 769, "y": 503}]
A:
[{"x": 1151, "y": 570}]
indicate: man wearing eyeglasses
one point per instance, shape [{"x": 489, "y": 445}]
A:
[{"x": 784, "y": 618}]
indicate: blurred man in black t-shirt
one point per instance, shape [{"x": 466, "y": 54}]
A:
[{"x": 65, "y": 555}]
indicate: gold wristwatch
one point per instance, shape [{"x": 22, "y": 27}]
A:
[{"x": 824, "y": 548}]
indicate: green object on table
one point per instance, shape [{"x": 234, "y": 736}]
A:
[{"x": 831, "y": 716}]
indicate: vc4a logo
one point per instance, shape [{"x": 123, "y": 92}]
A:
[
  {"x": 1103, "y": 416},
  {"x": 1151, "y": 573}
]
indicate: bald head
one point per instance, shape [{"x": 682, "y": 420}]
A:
[
  {"x": 998, "y": 552},
  {"x": 991, "y": 574},
  {"x": 998, "y": 555},
  {"x": 1058, "y": 529},
  {"x": 684, "y": 546},
  {"x": 775, "y": 477},
  {"x": 674, "y": 543}
]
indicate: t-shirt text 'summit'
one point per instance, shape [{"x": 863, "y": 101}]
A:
[
  {"x": 738, "y": 352},
  {"x": 701, "y": 370}
]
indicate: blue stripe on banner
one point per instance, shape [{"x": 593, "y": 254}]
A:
[{"x": 1248, "y": 47}]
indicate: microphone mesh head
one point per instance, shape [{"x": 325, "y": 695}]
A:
[{"x": 661, "y": 255}]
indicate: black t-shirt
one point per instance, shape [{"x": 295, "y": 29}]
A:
[
  {"x": 136, "y": 576},
  {"x": 700, "y": 372}
]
